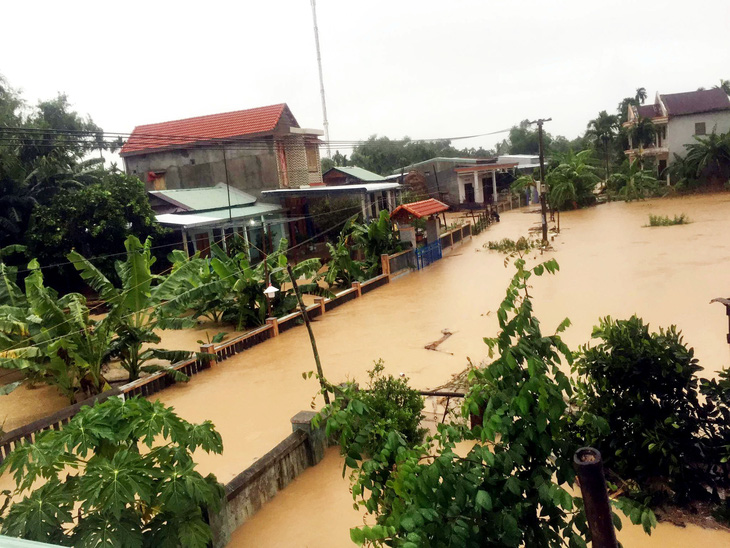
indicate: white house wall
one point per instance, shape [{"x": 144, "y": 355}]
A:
[{"x": 681, "y": 129}]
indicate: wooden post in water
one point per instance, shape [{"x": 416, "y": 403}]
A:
[
  {"x": 311, "y": 334},
  {"x": 589, "y": 466}
]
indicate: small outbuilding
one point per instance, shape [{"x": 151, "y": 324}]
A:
[{"x": 404, "y": 215}]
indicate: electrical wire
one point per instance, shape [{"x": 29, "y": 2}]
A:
[
  {"x": 270, "y": 223},
  {"x": 60, "y": 337}
]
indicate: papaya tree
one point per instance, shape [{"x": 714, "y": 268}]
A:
[{"x": 121, "y": 473}]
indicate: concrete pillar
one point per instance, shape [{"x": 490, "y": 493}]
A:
[
  {"x": 494, "y": 186},
  {"x": 407, "y": 233},
  {"x": 356, "y": 287},
  {"x": 432, "y": 230},
  {"x": 478, "y": 190},
  {"x": 316, "y": 439},
  {"x": 320, "y": 301},
  {"x": 185, "y": 242},
  {"x": 385, "y": 264},
  {"x": 391, "y": 200},
  {"x": 274, "y": 323},
  {"x": 363, "y": 205},
  {"x": 209, "y": 349}
]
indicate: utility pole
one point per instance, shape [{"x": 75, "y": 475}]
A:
[
  {"x": 543, "y": 204},
  {"x": 321, "y": 80}
]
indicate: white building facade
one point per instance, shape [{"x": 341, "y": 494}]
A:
[{"x": 678, "y": 120}]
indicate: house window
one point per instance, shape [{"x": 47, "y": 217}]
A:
[
  {"x": 312, "y": 159},
  {"x": 700, "y": 128}
]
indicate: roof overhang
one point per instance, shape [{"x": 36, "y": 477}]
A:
[
  {"x": 219, "y": 218},
  {"x": 485, "y": 167},
  {"x": 339, "y": 190},
  {"x": 306, "y": 131}
]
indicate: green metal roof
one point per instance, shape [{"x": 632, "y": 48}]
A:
[
  {"x": 206, "y": 198},
  {"x": 360, "y": 173}
]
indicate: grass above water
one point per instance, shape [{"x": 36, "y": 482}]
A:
[{"x": 664, "y": 220}]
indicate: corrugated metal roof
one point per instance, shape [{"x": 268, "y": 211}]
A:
[
  {"x": 205, "y": 198},
  {"x": 184, "y": 132},
  {"x": 421, "y": 209},
  {"x": 358, "y": 173}
]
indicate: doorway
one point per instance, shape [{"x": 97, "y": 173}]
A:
[{"x": 469, "y": 193}]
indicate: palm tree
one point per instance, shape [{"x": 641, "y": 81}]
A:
[
  {"x": 724, "y": 85},
  {"x": 640, "y": 96},
  {"x": 573, "y": 181},
  {"x": 603, "y": 131},
  {"x": 642, "y": 135},
  {"x": 635, "y": 183},
  {"x": 709, "y": 156}
]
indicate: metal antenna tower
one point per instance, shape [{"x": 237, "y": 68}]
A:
[{"x": 321, "y": 79}]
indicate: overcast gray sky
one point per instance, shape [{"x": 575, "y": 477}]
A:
[{"x": 392, "y": 67}]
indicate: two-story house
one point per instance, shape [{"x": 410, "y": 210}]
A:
[
  {"x": 252, "y": 150},
  {"x": 677, "y": 119}
]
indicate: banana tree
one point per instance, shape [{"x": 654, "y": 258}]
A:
[
  {"x": 342, "y": 269},
  {"x": 138, "y": 308},
  {"x": 61, "y": 344},
  {"x": 237, "y": 286},
  {"x": 375, "y": 239}
]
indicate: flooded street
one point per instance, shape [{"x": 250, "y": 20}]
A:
[{"x": 610, "y": 264}]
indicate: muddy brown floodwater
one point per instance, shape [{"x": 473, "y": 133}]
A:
[{"x": 610, "y": 264}]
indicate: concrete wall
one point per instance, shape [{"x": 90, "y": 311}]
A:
[
  {"x": 260, "y": 482},
  {"x": 681, "y": 130},
  {"x": 251, "y": 170}
]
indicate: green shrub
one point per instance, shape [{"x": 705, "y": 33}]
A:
[
  {"x": 643, "y": 384},
  {"x": 389, "y": 407},
  {"x": 663, "y": 220}
]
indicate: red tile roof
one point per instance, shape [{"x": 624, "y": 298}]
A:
[
  {"x": 178, "y": 133},
  {"x": 694, "y": 102},
  {"x": 421, "y": 209}
]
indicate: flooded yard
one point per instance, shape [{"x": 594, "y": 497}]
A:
[{"x": 610, "y": 264}]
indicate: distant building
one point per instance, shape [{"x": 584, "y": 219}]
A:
[
  {"x": 252, "y": 150},
  {"x": 678, "y": 118},
  {"x": 465, "y": 182},
  {"x": 351, "y": 175}
]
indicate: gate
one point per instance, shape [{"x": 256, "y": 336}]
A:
[{"x": 428, "y": 254}]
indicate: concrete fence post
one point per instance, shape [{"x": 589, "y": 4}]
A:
[
  {"x": 209, "y": 349},
  {"x": 320, "y": 301},
  {"x": 451, "y": 239},
  {"x": 357, "y": 287},
  {"x": 274, "y": 323},
  {"x": 316, "y": 439},
  {"x": 385, "y": 264}
]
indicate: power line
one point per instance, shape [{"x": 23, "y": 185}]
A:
[
  {"x": 238, "y": 271},
  {"x": 173, "y": 244}
]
